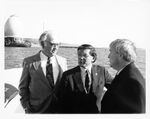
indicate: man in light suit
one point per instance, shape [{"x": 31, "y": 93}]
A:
[
  {"x": 81, "y": 88},
  {"x": 36, "y": 89},
  {"x": 126, "y": 94}
]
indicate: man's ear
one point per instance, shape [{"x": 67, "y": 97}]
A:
[
  {"x": 43, "y": 44},
  {"x": 120, "y": 56},
  {"x": 94, "y": 59}
]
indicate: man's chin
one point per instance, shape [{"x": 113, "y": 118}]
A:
[
  {"x": 83, "y": 66},
  {"x": 110, "y": 64},
  {"x": 53, "y": 53}
]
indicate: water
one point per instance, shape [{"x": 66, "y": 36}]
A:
[{"x": 15, "y": 55}]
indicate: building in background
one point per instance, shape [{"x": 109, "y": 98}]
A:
[{"x": 14, "y": 33}]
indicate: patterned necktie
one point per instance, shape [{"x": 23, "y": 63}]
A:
[
  {"x": 49, "y": 73},
  {"x": 87, "y": 80}
]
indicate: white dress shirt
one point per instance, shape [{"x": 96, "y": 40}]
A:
[{"x": 54, "y": 65}]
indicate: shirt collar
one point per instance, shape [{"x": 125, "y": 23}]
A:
[
  {"x": 87, "y": 68},
  {"x": 121, "y": 69},
  {"x": 44, "y": 57}
]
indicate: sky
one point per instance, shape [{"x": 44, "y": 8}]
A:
[{"x": 97, "y": 22}]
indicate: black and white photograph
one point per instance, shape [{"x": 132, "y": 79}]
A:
[{"x": 87, "y": 58}]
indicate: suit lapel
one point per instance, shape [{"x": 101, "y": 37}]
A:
[
  {"x": 94, "y": 76},
  {"x": 37, "y": 61},
  {"x": 39, "y": 70},
  {"x": 78, "y": 79},
  {"x": 60, "y": 70},
  {"x": 59, "y": 76},
  {"x": 60, "y": 65}
]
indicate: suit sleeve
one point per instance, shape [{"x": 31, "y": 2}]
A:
[
  {"x": 24, "y": 87},
  {"x": 63, "y": 94}
]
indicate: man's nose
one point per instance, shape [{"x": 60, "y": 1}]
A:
[
  {"x": 54, "y": 47},
  {"x": 82, "y": 58}
]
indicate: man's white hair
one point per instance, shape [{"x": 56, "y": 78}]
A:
[
  {"x": 48, "y": 35},
  {"x": 124, "y": 48}
]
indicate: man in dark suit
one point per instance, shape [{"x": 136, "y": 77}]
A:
[
  {"x": 81, "y": 88},
  {"x": 126, "y": 94},
  {"x": 40, "y": 77}
]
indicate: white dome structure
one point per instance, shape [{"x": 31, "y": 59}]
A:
[
  {"x": 13, "y": 27},
  {"x": 14, "y": 33}
]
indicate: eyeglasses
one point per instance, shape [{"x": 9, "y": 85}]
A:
[{"x": 55, "y": 44}]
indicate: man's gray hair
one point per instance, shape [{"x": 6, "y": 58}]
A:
[
  {"x": 124, "y": 48},
  {"x": 44, "y": 36}
]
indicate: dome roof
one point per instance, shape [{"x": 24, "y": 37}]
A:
[{"x": 13, "y": 27}]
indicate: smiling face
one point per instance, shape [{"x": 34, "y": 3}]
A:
[{"x": 84, "y": 58}]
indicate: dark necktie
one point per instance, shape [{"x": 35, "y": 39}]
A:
[
  {"x": 49, "y": 73},
  {"x": 87, "y": 80}
]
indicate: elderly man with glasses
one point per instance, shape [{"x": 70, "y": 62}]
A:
[{"x": 41, "y": 75}]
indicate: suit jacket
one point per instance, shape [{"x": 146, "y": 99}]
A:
[
  {"x": 72, "y": 94},
  {"x": 126, "y": 94},
  {"x": 34, "y": 88}
]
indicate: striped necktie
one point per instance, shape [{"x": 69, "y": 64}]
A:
[{"x": 49, "y": 73}]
